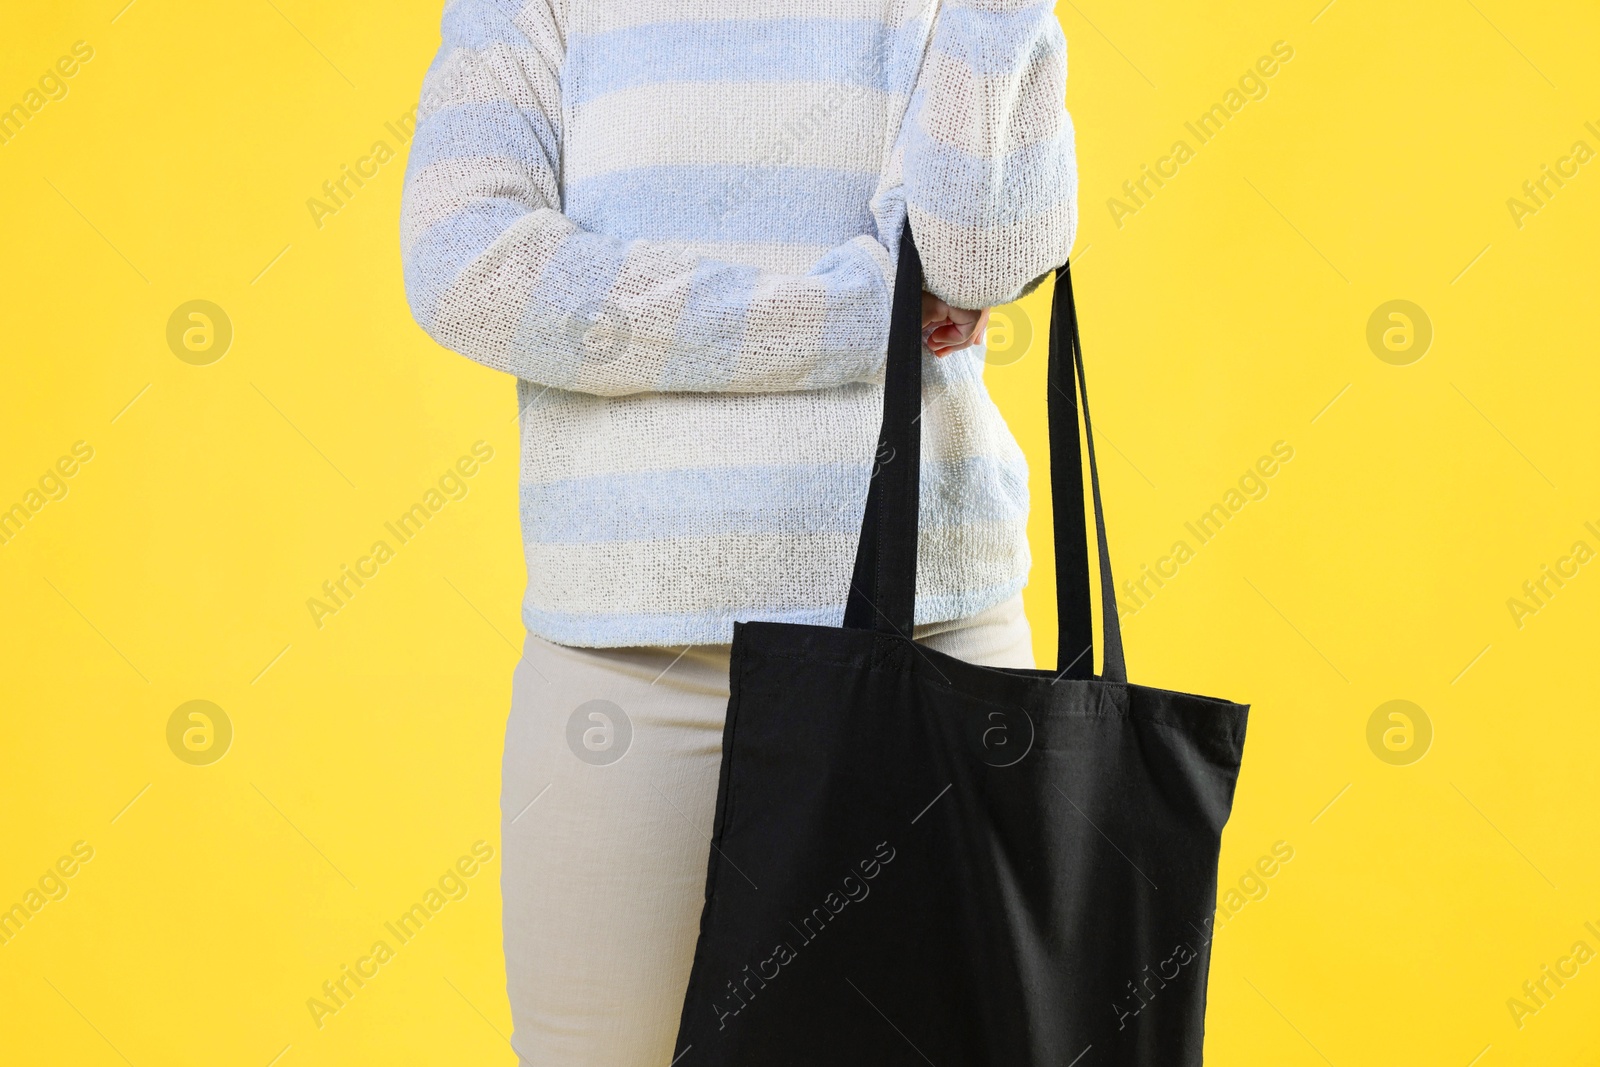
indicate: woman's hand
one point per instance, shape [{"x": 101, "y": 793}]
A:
[{"x": 947, "y": 329}]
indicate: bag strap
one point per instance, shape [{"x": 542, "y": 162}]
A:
[
  {"x": 883, "y": 587},
  {"x": 1067, "y": 388}
]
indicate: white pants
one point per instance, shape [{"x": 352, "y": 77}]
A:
[{"x": 608, "y": 791}]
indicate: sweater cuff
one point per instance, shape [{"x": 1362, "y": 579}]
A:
[{"x": 998, "y": 7}]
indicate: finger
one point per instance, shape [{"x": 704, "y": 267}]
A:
[
  {"x": 967, "y": 317},
  {"x": 934, "y": 310},
  {"x": 969, "y": 335}
]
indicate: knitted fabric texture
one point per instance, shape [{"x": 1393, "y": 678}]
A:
[{"x": 675, "y": 222}]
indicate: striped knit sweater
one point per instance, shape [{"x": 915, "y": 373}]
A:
[{"x": 675, "y": 221}]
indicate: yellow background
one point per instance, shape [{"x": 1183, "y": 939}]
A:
[{"x": 1228, "y": 313}]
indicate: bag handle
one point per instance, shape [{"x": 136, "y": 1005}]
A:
[{"x": 883, "y": 587}]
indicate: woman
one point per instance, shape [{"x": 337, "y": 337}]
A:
[{"x": 675, "y": 222}]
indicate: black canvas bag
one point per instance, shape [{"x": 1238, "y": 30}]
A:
[{"x": 916, "y": 860}]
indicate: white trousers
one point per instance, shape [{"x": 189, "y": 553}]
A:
[{"x": 608, "y": 791}]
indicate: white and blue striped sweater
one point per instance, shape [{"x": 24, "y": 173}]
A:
[{"x": 675, "y": 221}]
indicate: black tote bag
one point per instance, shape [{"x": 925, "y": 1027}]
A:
[{"x": 917, "y": 860}]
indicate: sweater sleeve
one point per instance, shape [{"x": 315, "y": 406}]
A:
[
  {"x": 990, "y": 168},
  {"x": 496, "y": 272}
]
